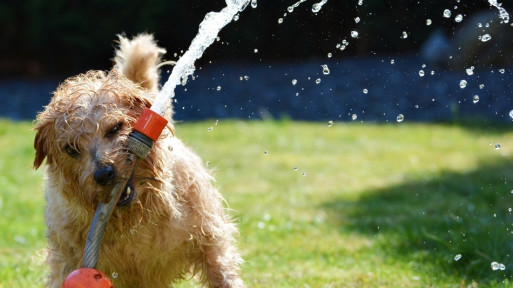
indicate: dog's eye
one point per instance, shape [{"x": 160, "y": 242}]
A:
[
  {"x": 114, "y": 130},
  {"x": 72, "y": 151}
]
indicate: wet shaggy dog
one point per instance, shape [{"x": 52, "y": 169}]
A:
[{"x": 169, "y": 223}]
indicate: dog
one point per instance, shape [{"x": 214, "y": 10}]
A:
[{"x": 170, "y": 223}]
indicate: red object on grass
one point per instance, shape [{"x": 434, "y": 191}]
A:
[
  {"x": 151, "y": 124},
  {"x": 87, "y": 278}
]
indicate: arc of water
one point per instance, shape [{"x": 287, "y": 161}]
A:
[
  {"x": 503, "y": 14},
  {"x": 207, "y": 33}
]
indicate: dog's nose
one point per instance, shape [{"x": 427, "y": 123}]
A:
[{"x": 104, "y": 175}]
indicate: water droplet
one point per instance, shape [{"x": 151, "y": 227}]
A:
[
  {"x": 218, "y": 88},
  {"x": 421, "y": 73},
  {"x": 495, "y": 266},
  {"x": 447, "y": 13},
  {"x": 429, "y": 22},
  {"x": 317, "y": 6},
  {"x": 256, "y": 50},
  {"x": 458, "y": 18},
  {"x": 280, "y": 20},
  {"x": 294, "y": 81},
  {"x": 475, "y": 99},
  {"x": 485, "y": 37},
  {"x": 304, "y": 174},
  {"x": 330, "y": 123},
  {"x": 318, "y": 80},
  {"x": 290, "y": 9},
  {"x": 511, "y": 114},
  {"x": 325, "y": 69},
  {"x": 246, "y": 77},
  {"x": 357, "y": 20},
  {"x": 254, "y": 4},
  {"x": 296, "y": 168},
  {"x": 470, "y": 71},
  {"x": 404, "y": 35},
  {"x": 502, "y": 267},
  {"x": 354, "y": 34},
  {"x": 132, "y": 231},
  {"x": 457, "y": 257},
  {"x": 236, "y": 17},
  {"x": 115, "y": 275},
  {"x": 502, "y": 71},
  {"x": 365, "y": 91},
  {"x": 329, "y": 55},
  {"x": 360, "y": 2},
  {"x": 400, "y": 118},
  {"x": 210, "y": 129},
  {"x": 497, "y": 146},
  {"x": 354, "y": 116},
  {"x": 463, "y": 84},
  {"x": 266, "y": 153},
  {"x": 392, "y": 61},
  {"x": 481, "y": 86},
  {"x": 432, "y": 72}
]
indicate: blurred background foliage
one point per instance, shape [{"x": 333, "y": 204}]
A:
[{"x": 62, "y": 37}]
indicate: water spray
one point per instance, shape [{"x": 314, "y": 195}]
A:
[
  {"x": 147, "y": 130},
  {"x": 150, "y": 124}
]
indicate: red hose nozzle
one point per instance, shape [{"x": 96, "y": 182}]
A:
[
  {"x": 147, "y": 130},
  {"x": 150, "y": 124}
]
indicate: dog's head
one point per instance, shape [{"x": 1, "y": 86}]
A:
[{"x": 82, "y": 134}]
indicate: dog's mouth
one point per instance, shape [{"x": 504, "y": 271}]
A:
[{"x": 128, "y": 194}]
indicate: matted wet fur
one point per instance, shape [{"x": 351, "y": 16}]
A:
[{"x": 170, "y": 224}]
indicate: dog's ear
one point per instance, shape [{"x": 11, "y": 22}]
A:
[{"x": 40, "y": 143}]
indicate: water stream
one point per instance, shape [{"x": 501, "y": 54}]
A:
[
  {"x": 207, "y": 33},
  {"x": 210, "y": 27},
  {"x": 503, "y": 14}
]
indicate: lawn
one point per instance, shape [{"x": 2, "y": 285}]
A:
[{"x": 351, "y": 205}]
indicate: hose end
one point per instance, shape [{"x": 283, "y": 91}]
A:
[{"x": 147, "y": 130}]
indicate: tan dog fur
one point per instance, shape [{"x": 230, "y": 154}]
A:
[{"x": 176, "y": 226}]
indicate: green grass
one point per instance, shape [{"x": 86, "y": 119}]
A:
[{"x": 367, "y": 206}]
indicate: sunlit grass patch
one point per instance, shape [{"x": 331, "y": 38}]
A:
[
  {"x": 21, "y": 209},
  {"x": 351, "y": 205},
  {"x": 365, "y": 205}
]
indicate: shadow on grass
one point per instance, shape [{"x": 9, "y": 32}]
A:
[{"x": 430, "y": 221}]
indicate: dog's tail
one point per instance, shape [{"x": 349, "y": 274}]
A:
[{"x": 139, "y": 60}]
